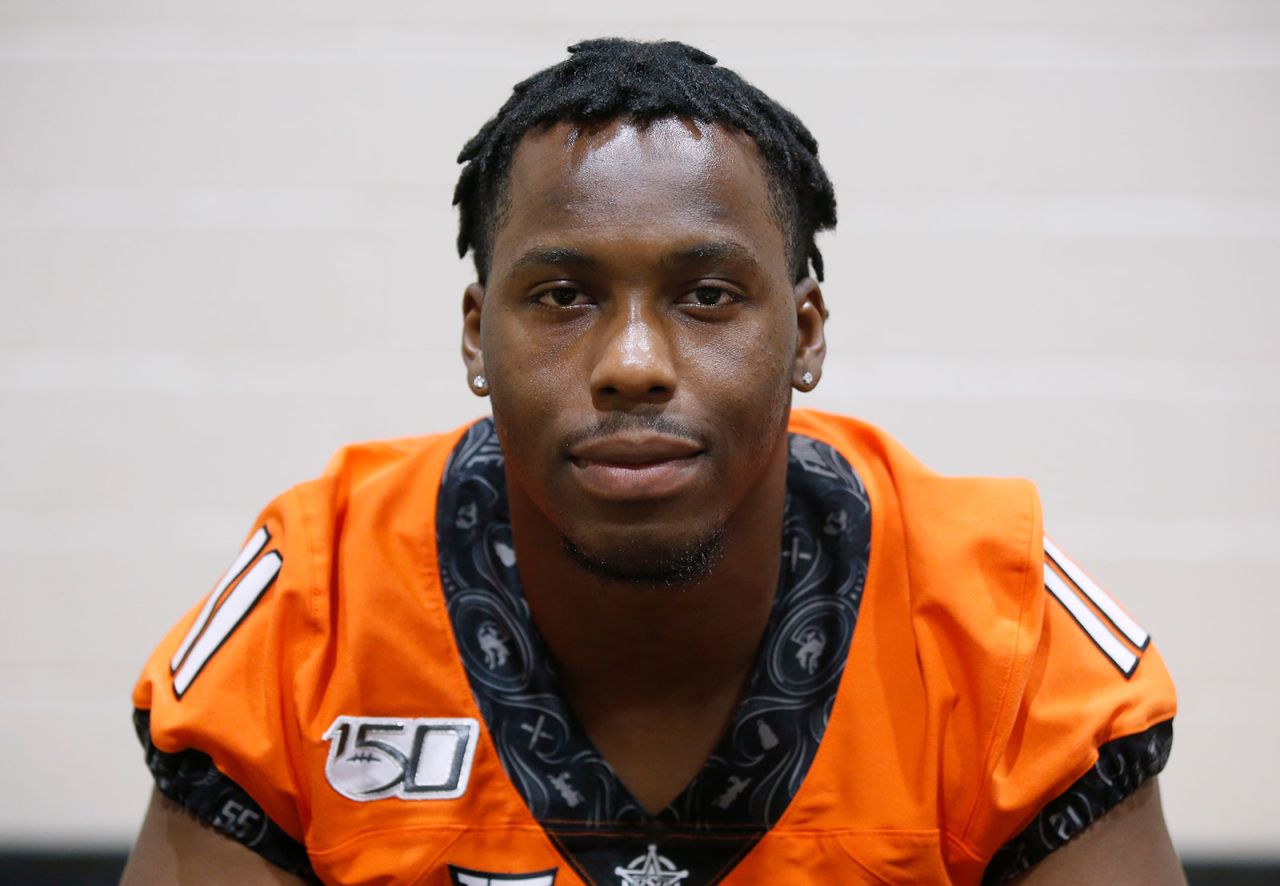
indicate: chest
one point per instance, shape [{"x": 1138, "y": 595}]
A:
[
  {"x": 431, "y": 800},
  {"x": 444, "y": 747}
]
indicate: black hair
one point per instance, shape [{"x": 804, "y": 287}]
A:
[{"x": 610, "y": 78}]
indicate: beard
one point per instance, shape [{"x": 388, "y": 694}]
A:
[{"x": 637, "y": 564}]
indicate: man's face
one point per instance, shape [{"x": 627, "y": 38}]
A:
[{"x": 640, "y": 334}]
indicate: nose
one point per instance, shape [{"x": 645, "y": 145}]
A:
[{"x": 635, "y": 361}]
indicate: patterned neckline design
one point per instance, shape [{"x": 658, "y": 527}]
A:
[{"x": 749, "y": 779}]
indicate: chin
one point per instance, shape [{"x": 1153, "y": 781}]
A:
[{"x": 651, "y": 562}]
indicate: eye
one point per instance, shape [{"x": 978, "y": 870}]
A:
[
  {"x": 709, "y": 297},
  {"x": 562, "y": 297}
]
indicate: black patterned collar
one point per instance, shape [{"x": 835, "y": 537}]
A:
[{"x": 751, "y": 776}]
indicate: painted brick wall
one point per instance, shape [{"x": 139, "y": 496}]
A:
[{"x": 226, "y": 248}]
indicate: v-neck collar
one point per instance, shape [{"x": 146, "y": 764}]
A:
[{"x": 747, "y": 782}]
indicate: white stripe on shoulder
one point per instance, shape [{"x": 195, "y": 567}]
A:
[
  {"x": 227, "y": 617},
  {"x": 251, "y": 549},
  {"x": 1105, "y": 640},
  {"x": 1106, "y": 604}
]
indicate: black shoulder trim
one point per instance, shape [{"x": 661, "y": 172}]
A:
[
  {"x": 1123, "y": 765},
  {"x": 190, "y": 779}
]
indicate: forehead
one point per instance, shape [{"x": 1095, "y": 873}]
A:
[{"x": 633, "y": 184}]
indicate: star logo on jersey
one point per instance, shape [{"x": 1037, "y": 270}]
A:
[
  {"x": 650, "y": 869},
  {"x": 371, "y": 758}
]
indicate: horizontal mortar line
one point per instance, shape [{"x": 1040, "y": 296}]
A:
[
  {"x": 334, "y": 208},
  {"x": 387, "y": 208},
  {"x": 1042, "y": 377},
  {"x": 506, "y": 62},
  {"x": 832, "y": 44}
]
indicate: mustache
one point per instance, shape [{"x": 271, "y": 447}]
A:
[{"x": 626, "y": 423}]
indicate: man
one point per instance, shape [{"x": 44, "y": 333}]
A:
[{"x": 647, "y": 625}]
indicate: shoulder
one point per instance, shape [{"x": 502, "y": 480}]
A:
[
  {"x": 1022, "y": 675},
  {"x": 238, "y": 678},
  {"x": 366, "y": 491},
  {"x": 283, "y": 571},
  {"x": 365, "y": 474},
  {"x": 911, "y": 490},
  {"x": 950, "y": 535},
  {"x": 954, "y": 589}
]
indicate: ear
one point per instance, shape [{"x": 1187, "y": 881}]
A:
[
  {"x": 472, "y": 355},
  {"x": 811, "y": 340}
]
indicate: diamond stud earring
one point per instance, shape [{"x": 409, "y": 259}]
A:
[
  {"x": 807, "y": 378},
  {"x": 480, "y": 383}
]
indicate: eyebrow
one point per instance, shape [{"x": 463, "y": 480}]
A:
[
  {"x": 715, "y": 250},
  {"x": 541, "y": 256},
  {"x": 564, "y": 256}
]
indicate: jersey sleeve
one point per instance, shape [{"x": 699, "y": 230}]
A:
[
  {"x": 214, "y": 707},
  {"x": 1087, "y": 721}
]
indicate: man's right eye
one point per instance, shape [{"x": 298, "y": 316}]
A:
[{"x": 562, "y": 297}]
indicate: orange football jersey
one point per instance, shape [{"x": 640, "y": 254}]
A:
[{"x": 943, "y": 695}]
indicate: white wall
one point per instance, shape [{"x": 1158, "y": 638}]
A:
[{"x": 226, "y": 248}]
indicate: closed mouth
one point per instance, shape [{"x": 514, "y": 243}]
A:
[
  {"x": 636, "y": 467},
  {"x": 633, "y": 450}
]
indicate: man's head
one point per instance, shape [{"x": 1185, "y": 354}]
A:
[
  {"x": 640, "y": 319},
  {"x": 611, "y": 78}
]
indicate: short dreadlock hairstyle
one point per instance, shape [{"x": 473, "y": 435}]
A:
[{"x": 611, "y": 78}]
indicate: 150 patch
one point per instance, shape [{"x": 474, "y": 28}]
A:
[{"x": 371, "y": 758}]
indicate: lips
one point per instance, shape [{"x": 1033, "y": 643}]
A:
[{"x": 636, "y": 467}]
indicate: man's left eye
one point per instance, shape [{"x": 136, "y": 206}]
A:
[
  {"x": 563, "y": 297},
  {"x": 708, "y": 297}
]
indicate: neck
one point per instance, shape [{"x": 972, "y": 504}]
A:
[
  {"x": 633, "y": 641},
  {"x": 655, "y": 673}
]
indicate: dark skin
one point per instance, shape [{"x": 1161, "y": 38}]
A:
[
  {"x": 581, "y": 357},
  {"x": 639, "y": 273}
]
